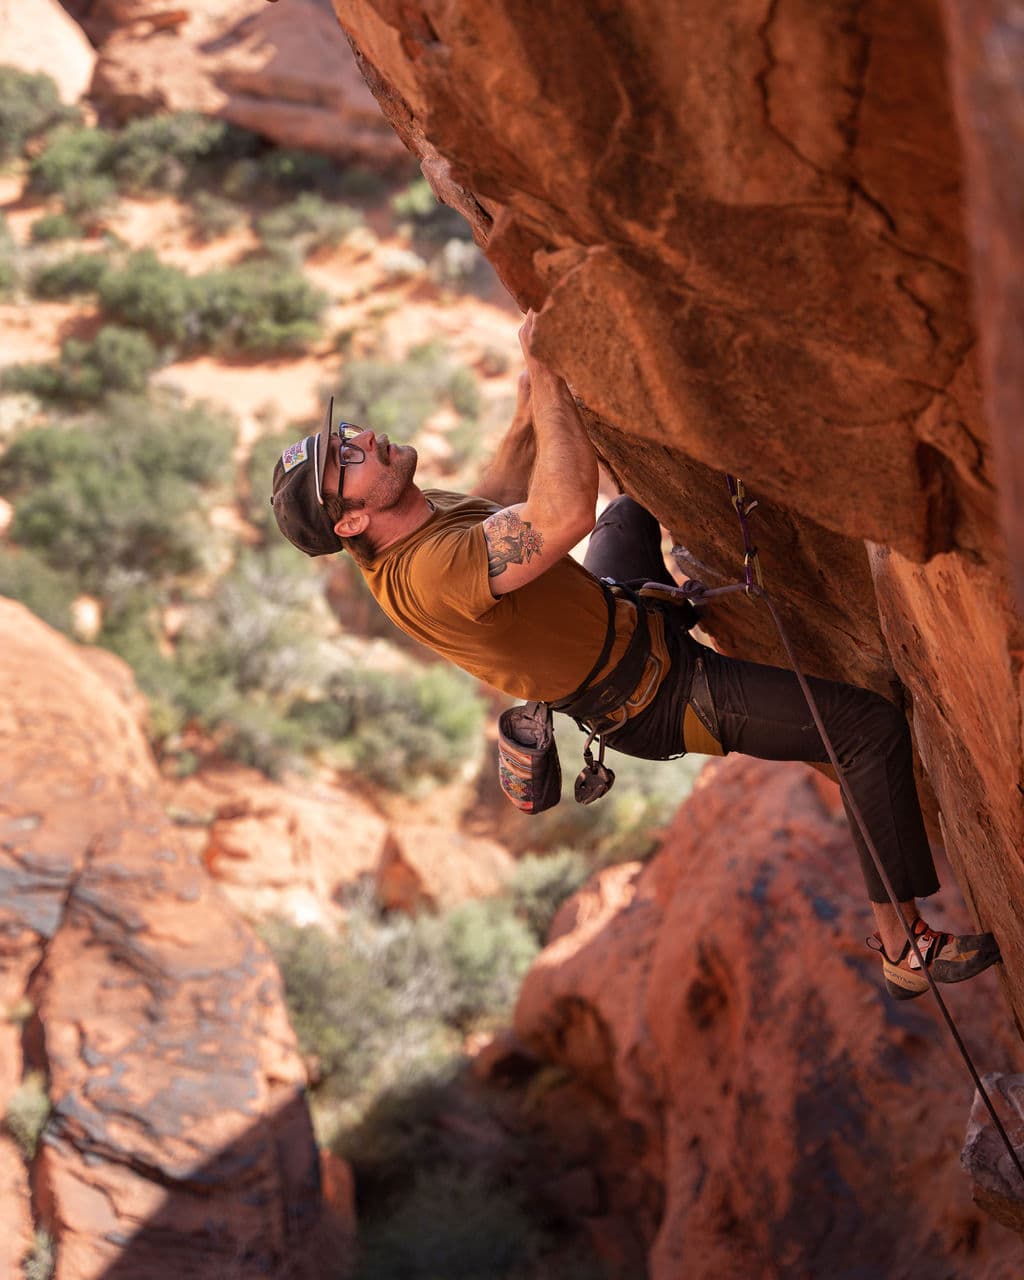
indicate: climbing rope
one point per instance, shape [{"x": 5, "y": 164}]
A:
[{"x": 753, "y": 585}]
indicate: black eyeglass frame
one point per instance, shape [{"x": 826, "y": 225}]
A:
[{"x": 343, "y": 446}]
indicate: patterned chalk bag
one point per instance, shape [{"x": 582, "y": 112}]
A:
[{"x": 528, "y": 767}]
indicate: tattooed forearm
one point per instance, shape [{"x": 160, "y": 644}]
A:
[{"x": 510, "y": 540}]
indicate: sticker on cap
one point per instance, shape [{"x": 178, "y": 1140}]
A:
[{"x": 294, "y": 454}]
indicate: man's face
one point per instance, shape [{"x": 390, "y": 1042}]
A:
[{"x": 381, "y": 479}]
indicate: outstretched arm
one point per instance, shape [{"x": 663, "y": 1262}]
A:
[
  {"x": 526, "y": 538},
  {"x": 507, "y": 479}
]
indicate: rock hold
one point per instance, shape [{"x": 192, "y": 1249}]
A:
[{"x": 998, "y": 1187}]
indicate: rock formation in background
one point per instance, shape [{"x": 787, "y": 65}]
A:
[
  {"x": 754, "y": 1103},
  {"x": 746, "y": 229},
  {"x": 286, "y": 73},
  {"x": 179, "y": 1142},
  {"x": 38, "y": 36}
]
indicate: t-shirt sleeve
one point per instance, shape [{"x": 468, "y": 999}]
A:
[{"x": 450, "y": 570}]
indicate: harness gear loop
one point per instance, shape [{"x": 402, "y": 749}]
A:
[{"x": 755, "y": 587}]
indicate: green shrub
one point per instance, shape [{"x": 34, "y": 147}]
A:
[
  {"x": 80, "y": 273},
  {"x": 434, "y": 222},
  {"x": 397, "y": 397},
  {"x": 73, "y": 154},
  {"x": 85, "y": 197},
  {"x": 27, "y": 1113},
  {"x": 9, "y": 265},
  {"x": 294, "y": 231},
  {"x": 29, "y": 105},
  {"x": 148, "y": 294},
  {"x": 40, "y": 1261},
  {"x": 490, "y": 949},
  {"x": 397, "y": 729},
  {"x": 116, "y": 360},
  {"x": 540, "y": 884},
  {"x": 340, "y": 1010},
  {"x": 55, "y": 226},
  {"x": 118, "y": 493},
  {"x": 160, "y": 153},
  {"x": 47, "y": 591},
  {"x": 212, "y": 216},
  {"x": 452, "y": 1223},
  {"x": 257, "y": 308},
  {"x": 251, "y": 308}
]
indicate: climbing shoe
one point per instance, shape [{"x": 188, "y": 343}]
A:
[{"x": 948, "y": 957}]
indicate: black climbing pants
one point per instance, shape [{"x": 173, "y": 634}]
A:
[{"x": 762, "y": 712}]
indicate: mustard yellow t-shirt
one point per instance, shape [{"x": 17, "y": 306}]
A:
[{"x": 538, "y": 642}]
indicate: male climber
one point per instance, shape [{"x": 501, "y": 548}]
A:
[{"x": 486, "y": 581}]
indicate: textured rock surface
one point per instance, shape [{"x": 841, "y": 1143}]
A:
[
  {"x": 745, "y": 226},
  {"x": 996, "y": 1181},
  {"x": 275, "y": 849},
  {"x": 179, "y": 1141},
  {"x": 759, "y": 1106},
  {"x": 429, "y": 866},
  {"x": 285, "y": 72},
  {"x": 38, "y": 35}
]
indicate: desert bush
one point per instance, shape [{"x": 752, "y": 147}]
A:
[
  {"x": 40, "y": 1261},
  {"x": 116, "y": 360},
  {"x": 398, "y": 396},
  {"x": 162, "y": 152},
  {"x": 148, "y": 294},
  {"x": 212, "y": 216},
  {"x": 453, "y": 1223},
  {"x": 341, "y": 1012},
  {"x": 118, "y": 492},
  {"x": 29, "y": 106},
  {"x": 27, "y": 1113},
  {"x": 47, "y": 591},
  {"x": 433, "y": 221},
  {"x": 293, "y": 231},
  {"x": 55, "y": 226},
  {"x": 541, "y": 883},
  {"x": 80, "y": 273},
  {"x": 9, "y": 268},
  {"x": 490, "y": 950},
  {"x": 73, "y": 154},
  {"x": 257, "y": 308},
  {"x": 397, "y": 728}
]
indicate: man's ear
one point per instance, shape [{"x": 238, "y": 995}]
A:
[{"x": 352, "y": 523}]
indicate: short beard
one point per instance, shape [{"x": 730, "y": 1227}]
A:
[
  {"x": 361, "y": 549},
  {"x": 392, "y": 489}
]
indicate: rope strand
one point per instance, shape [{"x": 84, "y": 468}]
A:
[{"x": 754, "y": 586}]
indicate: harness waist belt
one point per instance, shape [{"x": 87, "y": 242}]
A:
[{"x": 612, "y": 691}]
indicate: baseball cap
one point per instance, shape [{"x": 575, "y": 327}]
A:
[{"x": 298, "y": 493}]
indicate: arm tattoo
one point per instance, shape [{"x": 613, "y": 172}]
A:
[{"x": 510, "y": 541}]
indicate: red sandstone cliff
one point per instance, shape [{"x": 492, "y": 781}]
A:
[
  {"x": 179, "y": 1140},
  {"x": 746, "y": 227},
  {"x": 756, "y": 1106}
]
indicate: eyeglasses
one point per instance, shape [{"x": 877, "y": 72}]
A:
[{"x": 349, "y": 454}]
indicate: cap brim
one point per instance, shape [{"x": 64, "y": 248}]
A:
[{"x": 320, "y": 451}]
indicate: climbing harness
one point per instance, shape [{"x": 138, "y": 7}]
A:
[{"x": 753, "y": 585}]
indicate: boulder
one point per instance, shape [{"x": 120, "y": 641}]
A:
[
  {"x": 997, "y": 1180},
  {"x": 426, "y": 865},
  {"x": 179, "y": 1141},
  {"x": 44, "y": 38},
  {"x": 279, "y": 849},
  {"x": 757, "y": 1105},
  {"x": 286, "y": 72}
]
